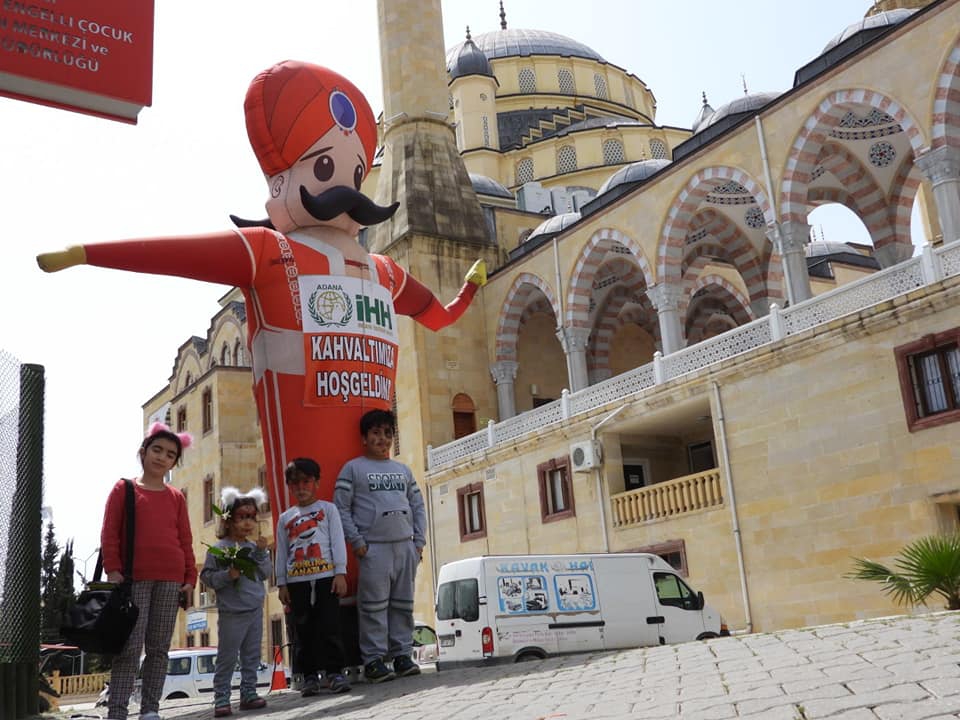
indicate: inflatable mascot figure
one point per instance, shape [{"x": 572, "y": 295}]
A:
[{"x": 321, "y": 311}]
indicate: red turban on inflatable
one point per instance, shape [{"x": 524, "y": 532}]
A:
[{"x": 293, "y": 104}]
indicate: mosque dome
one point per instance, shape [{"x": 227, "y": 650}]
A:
[
  {"x": 880, "y": 21},
  {"x": 470, "y": 60},
  {"x": 552, "y": 226},
  {"x": 517, "y": 42},
  {"x": 746, "y": 104},
  {"x": 483, "y": 185},
  {"x": 821, "y": 247},
  {"x": 634, "y": 172}
]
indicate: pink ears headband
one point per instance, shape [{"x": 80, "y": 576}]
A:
[{"x": 186, "y": 439}]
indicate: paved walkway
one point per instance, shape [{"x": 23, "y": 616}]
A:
[{"x": 903, "y": 667}]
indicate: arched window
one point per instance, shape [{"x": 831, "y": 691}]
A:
[
  {"x": 658, "y": 151},
  {"x": 224, "y": 355},
  {"x": 486, "y": 132},
  {"x": 566, "y": 159},
  {"x": 612, "y": 152},
  {"x": 237, "y": 353},
  {"x": 600, "y": 85},
  {"x": 464, "y": 416},
  {"x": 524, "y": 171},
  {"x": 188, "y": 381},
  {"x": 565, "y": 78},
  {"x": 527, "y": 80}
]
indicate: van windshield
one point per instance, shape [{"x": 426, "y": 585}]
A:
[{"x": 459, "y": 599}]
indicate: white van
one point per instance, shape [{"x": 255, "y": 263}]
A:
[
  {"x": 522, "y": 607},
  {"x": 190, "y": 675}
]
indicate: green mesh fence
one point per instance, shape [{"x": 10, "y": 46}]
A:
[{"x": 21, "y": 490}]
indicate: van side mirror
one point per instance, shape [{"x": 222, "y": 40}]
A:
[{"x": 700, "y": 601}]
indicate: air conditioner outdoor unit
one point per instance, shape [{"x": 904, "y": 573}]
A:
[
  {"x": 586, "y": 456},
  {"x": 206, "y": 599}
]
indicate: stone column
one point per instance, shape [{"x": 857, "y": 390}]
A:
[
  {"x": 665, "y": 298},
  {"x": 504, "y": 372},
  {"x": 942, "y": 168},
  {"x": 791, "y": 242},
  {"x": 574, "y": 341}
]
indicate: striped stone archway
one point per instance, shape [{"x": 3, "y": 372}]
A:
[
  {"x": 946, "y": 103},
  {"x": 527, "y": 289},
  {"x": 723, "y": 290}
]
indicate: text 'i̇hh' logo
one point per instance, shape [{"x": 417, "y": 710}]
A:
[{"x": 330, "y": 305}]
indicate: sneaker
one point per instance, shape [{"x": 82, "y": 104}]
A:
[
  {"x": 375, "y": 671},
  {"x": 337, "y": 683},
  {"x": 222, "y": 710},
  {"x": 404, "y": 666},
  {"x": 153, "y": 715},
  {"x": 311, "y": 686},
  {"x": 252, "y": 702}
]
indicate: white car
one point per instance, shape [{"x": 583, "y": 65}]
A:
[{"x": 190, "y": 675}]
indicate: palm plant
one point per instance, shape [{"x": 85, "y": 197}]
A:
[{"x": 928, "y": 566}]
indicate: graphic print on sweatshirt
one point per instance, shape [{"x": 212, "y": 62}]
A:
[
  {"x": 305, "y": 556},
  {"x": 387, "y": 481}
]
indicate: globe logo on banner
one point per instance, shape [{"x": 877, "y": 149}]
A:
[{"x": 330, "y": 305}]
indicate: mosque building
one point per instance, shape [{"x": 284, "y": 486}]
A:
[{"x": 662, "y": 360}]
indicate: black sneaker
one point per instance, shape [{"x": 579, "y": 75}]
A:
[
  {"x": 311, "y": 686},
  {"x": 404, "y": 666},
  {"x": 375, "y": 671}
]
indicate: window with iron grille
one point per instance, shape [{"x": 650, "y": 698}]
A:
[
  {"x": 600, "y": 86},
  {"x": 566, "y": 159},
  {"x": 471, "y": 512},
  {"x": 182, "y": 418},
  {"x": 658, "y": 151},
  {"x": 486, "y": 132},
  {"x": 527, "y": 80},
  {"x": 565, "y": 80},
  {"x": 612, "y": 152},
  {"x": 208, "y": 501},
  {"x": 524, "y": 171},
  {"x": 929, "y": 371},
  {"x": 556, "y": 489}
]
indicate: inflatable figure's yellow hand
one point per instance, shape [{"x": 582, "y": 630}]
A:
[
  {"x": 477, "y": 274},
  {"x": 61, "y": 259}
]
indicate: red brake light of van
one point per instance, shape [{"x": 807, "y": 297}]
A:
[{"x": 486, "y": 638}]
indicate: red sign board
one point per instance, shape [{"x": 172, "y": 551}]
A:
[{"x": 92, "y": 56}]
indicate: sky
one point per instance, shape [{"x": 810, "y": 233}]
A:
[{"x": 108, "y": 339}]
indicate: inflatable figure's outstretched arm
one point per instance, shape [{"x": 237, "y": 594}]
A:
[
  {"x": 413, "y": 298},
  {"x": 227, "y": 257}
]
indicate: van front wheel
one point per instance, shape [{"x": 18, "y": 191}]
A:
[
  {"x": 176, "y": 696},
  {"x": 707, "y": 636}
]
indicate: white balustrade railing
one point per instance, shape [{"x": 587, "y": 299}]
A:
[
  {"x": 679, "y": 496},
  {"x": 929, "y": 267}
]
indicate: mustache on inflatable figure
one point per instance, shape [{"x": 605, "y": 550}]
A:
[{"x": 303, "y": 274}]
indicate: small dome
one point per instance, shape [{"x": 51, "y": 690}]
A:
[
  {"x": 871, "y": 22},
  {"x": 518, "y": 42},
  {"x": 553, "y": 225},
  {"x": 469, "y": 61},
  {"x": 483, "y": 185},
  {"x": 705, "y": 112},
  {"x": 745, "y": 104},
  {"x": 633, "y": 172},
  {"x": 820, "y": 248}
]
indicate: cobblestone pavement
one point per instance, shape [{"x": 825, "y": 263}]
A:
[{"x": 902, "y": 667}]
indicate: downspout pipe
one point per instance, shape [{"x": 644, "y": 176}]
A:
[
  {"x": 728, "y": 471},
  {"x": 777, "y": 230},
  {"x": 596, "y": 472}
]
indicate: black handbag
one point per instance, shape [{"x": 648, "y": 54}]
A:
[{"x": 104, "y": 615}]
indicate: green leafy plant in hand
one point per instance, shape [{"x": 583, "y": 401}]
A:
[
  {"x": 233, "y": 557},
  {"x": 925, "y": 567}
]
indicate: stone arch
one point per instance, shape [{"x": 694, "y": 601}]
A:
[
  {"x": 699, "y": 329},
  {"x": 727, "y": 240},
  {"x": 585, "y": 269},
  {"x": 903, "y": 191},
  {"x": 813, "y": 136},
  {"x": 685, "y": 207},
  {"x": 946, "y": 103},
  {"x": 523, "y": 292},
  {"x": 720, "y": 288},
  {"x": 622, "y": 307}
]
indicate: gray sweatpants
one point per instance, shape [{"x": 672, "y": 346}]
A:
[
  {"x": 239, "y": 635},
  {"x": 385, "y": 595}
]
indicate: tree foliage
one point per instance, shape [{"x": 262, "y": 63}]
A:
[
  {"x": 925, "y": 567},
  {"x": 56, "y": 584}
]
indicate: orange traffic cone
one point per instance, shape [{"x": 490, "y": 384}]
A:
[{"x": 279, "y": 680}]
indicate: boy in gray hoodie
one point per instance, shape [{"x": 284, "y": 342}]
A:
[{"x": 384, "y": 519}]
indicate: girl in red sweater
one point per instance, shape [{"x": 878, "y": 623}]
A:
[{"x": 164, "y": 569}]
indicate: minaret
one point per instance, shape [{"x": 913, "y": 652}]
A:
[{"x": 421, "y": 167}]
